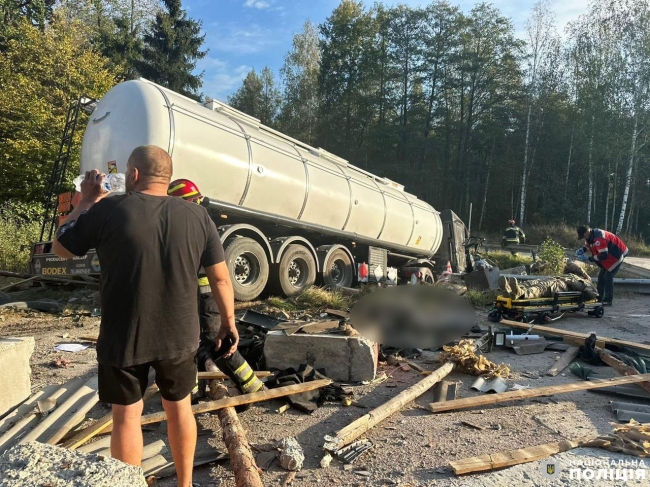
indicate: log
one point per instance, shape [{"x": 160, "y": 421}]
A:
[
  {"x": 234, "y": 437},
  {"x": 621, "y": 367},
  {"x": 577, "y": 338},
  {"x": 98, "y": 426},
  {"x": 484, "y": 463},
  {"x": 489, "y": 399},
  {"x": 260, "y": 396},
  {"x": 357, "y": 428},
  {"x": 566, "y": 358}
]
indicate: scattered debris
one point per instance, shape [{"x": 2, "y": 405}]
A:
[
  {"x": 484, "y": 463},
  {"x": 444, "y": 391},
  {"x": 519, "y": 387},
  {"x": 326, "y": 461},
  {"x": 291, "y": 454},
  {"x": 283, "y": 408},
  {"x": 355, "y": 429},
  {"x": 494, "y": 385},
  {"x": 71, "y": 347},
  {"x": 265, "y": 459},
  {"x": 353, "y": 451},
  {"x": 464, "y": 356},
  {"x": 581, "y": 371},
  {"x": 565, "y": 359},
  {"x": 530, "y": 393},
  {"x": 472, "y": 425},
  {"x": 61, "y": 363}
]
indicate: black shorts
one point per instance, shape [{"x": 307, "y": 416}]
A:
[{"x": 176, "y": 377}]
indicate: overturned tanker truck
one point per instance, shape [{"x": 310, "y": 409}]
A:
[{"x": 289, "y": 215}]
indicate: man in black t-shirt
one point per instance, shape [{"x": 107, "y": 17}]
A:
[{"x": 150, "y": 247}]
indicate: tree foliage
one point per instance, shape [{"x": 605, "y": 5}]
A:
[
  {"x": 172, "y": 47},
  {"x": 40, "y": 73},
  {"x": 258, "y": 96}
]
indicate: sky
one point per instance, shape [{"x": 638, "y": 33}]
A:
[{"x": 246, "y": 34}]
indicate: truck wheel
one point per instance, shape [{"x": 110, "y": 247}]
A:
[
  {"x": 295, "y": 271},
  {"x": 248, "y": 266},
  {"x": 338, "y": 270}
]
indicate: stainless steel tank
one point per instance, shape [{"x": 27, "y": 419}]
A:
[{"x": 236, "y": 160}]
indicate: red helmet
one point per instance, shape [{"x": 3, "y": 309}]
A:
[{"x": 186, "y": 189}]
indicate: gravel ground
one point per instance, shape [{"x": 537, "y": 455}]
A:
[{"x": 412, "y": 447}]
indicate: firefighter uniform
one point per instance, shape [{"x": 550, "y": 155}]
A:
[{"x": 513, "y": 235}]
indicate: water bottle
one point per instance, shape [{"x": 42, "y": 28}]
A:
[{"x": 112, "y": 183}]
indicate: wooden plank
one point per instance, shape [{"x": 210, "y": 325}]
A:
[
  {"x": 489, "y": 399},
  {"x": 484, "y": 463},
  {"x": 11, "y": 286},
  {"x": 581, "y": 337},
  {"x": 565, "y": 359},
  {"x": 260, "y": 396},
  {"x": 96, "y": 428},
  {"x": 221, "y": 375},
  {"x": 355, "y": 429}
]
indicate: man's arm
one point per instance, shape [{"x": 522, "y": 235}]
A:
[
  {"x": 91, "y": 193},
  {"x": 224, "y": 296}
]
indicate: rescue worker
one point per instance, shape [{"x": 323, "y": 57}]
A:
[
  {"x": 513, "y": 234},
  {"x": 234, "y": 366},
  {"x": 607, "y": 251}
]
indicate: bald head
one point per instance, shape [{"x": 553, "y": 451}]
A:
[{"x": 149, "y": 170}]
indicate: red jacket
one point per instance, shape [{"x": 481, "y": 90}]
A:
[{"x": 607, "y": 249}]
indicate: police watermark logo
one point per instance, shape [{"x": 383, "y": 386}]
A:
[
  {"x": 550, "y": 469},
  {"x": 597, "y": 243}
]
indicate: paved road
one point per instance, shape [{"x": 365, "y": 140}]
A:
[{"x": 639, "y": 261}]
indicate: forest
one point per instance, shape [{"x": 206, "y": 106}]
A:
[{"x": 542, "y": 126}]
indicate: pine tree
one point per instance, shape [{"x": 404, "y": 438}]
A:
[
  {"x": 172, "y": 47},
  {"x": 258, "y": 97}
]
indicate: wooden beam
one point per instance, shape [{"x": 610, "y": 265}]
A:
[
  {"x": 565, "y": 359},
  {"x": 621, "y": 367},
  {"x": 355, "y": 429},
  {"x": 489, "y": 399},
  {"x": 484, "y": 463},
  {"x": 580, "y": 337},
  {"x": 98, "y": 426},
  {"x": 260, "y": 396}
]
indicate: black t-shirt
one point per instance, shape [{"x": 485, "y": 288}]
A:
[{"x": 150, "y": 249}]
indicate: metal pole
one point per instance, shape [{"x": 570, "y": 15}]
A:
[{"x": 469, "y": 227}]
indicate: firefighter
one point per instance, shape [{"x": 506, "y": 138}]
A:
[
  {"x": 234, "y": 366},
  {"x": 513, "y": 234},
  {"x": 607, "y": 251}
]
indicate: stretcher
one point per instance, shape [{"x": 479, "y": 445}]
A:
[{"x": 544, "y": 310}]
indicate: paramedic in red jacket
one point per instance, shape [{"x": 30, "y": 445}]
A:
[{"x": 607, "y": 252}]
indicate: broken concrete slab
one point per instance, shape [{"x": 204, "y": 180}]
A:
[
  {"x": 347, "y": 359},
  {"x": 21, "y": 465},
  {"x": 15, "y": 382}
]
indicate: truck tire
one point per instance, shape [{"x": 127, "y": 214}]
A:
[
  {"x": 295, "y": 271},
  {"x": 248, "y": 266},
  {"x": 338, "y": 270}
]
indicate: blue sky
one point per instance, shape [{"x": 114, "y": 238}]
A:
[{"x": 246, "y": 34}]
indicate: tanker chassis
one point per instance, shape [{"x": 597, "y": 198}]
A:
[{"x": 289, "y": 215}]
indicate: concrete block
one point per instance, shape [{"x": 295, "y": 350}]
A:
[
  {"x": 15, "y": 382},
  {"x": 34, "y": 464},
  {"x": 346, "y": 359}
]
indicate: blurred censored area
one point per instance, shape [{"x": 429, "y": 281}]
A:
[{"x": 413, "y": 316}]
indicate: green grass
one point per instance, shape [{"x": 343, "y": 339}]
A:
[
  {"x": 312, "y": 298},
  {"x": 480, "y": 299},
  {"x": 505, "y": 260}
]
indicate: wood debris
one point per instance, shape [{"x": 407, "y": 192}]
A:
[{"x": 466, "y": 360}]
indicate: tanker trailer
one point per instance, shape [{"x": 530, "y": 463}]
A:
[{"x": 290, "y": 215}]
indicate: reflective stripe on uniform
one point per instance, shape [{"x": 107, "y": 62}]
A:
[
  {"x": 249, "y": 381},
  {"x": 203, "y": 281}
]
